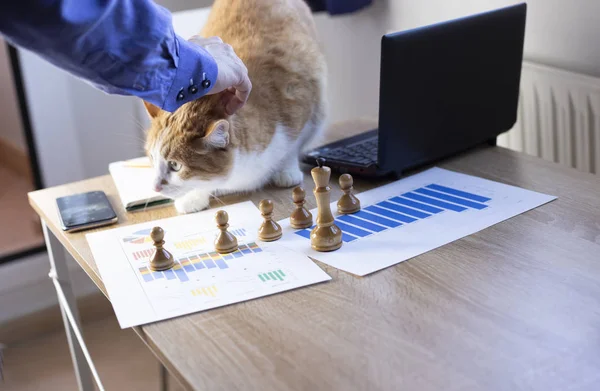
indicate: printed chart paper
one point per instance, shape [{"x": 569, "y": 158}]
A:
[
  {"x": 201, "y": 278},
  {"x": 414, "y": 215}
]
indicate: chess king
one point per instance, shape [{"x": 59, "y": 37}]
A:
[{"x": 326, "y": 236}]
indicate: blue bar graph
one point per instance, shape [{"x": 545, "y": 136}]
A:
[
  {"x": 390, "y": 214},
  {"x": 362, "y": 223},
  {"x": 210, "y": 264},
  {"x": 221, "y": 264},
  {"x": 416, "y": 205},
  {"x": 188, "y": 267},
  {"x": 421, "y": 203},
  {"x": 188, "y": 264},
  {"x": 348, "y": 238},
  {"x": 181, "y": 275},
  {"x": 459, "y": 193},
  {"x": 304, "y": 233},
  {"x": 377, "y": 219},
  {"x": 238, "y": 232},
  {"x": 405, "y": 210},
  {"x": 456, "y": 200},
  {"x": 433, "y": 201},
  {"x": 198, "y": 265},
  {"x": 352, "y": 230}
]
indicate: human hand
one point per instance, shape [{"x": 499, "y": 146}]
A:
[{"x": 232, "y": 76}]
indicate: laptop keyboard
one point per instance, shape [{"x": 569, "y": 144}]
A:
[{"x": 363, "y": 152}]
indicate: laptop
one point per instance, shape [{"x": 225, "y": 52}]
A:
[{"x": 444, "y": 89}]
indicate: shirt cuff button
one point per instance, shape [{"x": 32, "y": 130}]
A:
[
  {"x": 180, "y": 96},
  {"x": 192, "y": 89},
  {"x": 206, "y": 83}
]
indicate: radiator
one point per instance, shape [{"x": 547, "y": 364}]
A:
[{"x": 558, "y": 117}]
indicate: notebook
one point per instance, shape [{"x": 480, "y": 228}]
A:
[{"x": 133, "y": 180}]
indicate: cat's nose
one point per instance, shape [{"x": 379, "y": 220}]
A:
[{"x": 158, "y": 187}]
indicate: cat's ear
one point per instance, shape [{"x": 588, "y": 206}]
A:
[
  {"x": 152, "y": 109},
  {"x": 217, "y": 135}
]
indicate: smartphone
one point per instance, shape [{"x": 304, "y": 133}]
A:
[{"x": 86, "y": 210}]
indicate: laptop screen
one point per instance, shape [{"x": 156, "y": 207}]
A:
[{"x": 447, "y": 87}]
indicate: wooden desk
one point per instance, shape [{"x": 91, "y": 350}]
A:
[{"x": 515, "y": 306}]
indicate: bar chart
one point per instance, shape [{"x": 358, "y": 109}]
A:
[
  {"x": 405, "y": 208},
  {"x": 414, "y": 215},
  {"x": 207, "y": 291},
  {"x": 275, "y": 275},
  {"x": 186, "y": 244},
  {"x": 200, "y": 279},
  {"x": 140, "y": 254},
  {"x": 138, "y": 237},
  {"x": 195, "y": 261},
  {"x": 189, "y": 244},
  {"x": 238, "y": 232}
]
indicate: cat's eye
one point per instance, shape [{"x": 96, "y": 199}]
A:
[{"x": 174, "y": 166}]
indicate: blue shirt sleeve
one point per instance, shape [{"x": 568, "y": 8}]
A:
[{"x": 125, "y": 47}]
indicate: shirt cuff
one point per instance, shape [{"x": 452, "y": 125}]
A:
[{"x": 195, "y": 77}]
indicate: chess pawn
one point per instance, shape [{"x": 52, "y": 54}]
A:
[
  {"x": 225, "y": 241},
  {"x": 348, "y": 203},
  {"x": 269, "y": 229},
  {"x": 326, "y": 236},
  {"x": 301, "y": 217},
  {"x": 161, "y": 259}
]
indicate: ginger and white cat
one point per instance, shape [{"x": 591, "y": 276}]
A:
[{"x": 199, "y": 151}]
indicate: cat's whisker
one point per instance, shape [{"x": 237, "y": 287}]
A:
[
  {"x": 130, "y": 139},
  {"x": 218, "y": 199},
  {"x": 146, "y": 204},
  {"x": 138, "y": 123},
  {"x": 178, "y": 192},
  {"x": 130, "y": 135}
]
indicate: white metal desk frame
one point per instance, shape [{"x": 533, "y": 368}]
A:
[{"x": 85, "y": 371}]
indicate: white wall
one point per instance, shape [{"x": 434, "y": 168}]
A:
[
  {"x": 559, "y": 32},
  {"x": 565, "y": 34},
  {"x": 78, "y": 129},
  {"x": 351, "y": 45},
  {"x": 11, "y": 130},
  {"x": 51, "y": 113},
  {"x": 108, "y": 127}
]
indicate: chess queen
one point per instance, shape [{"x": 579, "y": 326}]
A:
[{"x": 326, "y": 236}]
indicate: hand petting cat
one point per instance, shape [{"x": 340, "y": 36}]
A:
[
  {"x": 203, "y": 149},
  {"x": 232, "y": 76}
]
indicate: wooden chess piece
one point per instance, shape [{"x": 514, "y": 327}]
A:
[
  {"x": 269, "y": 229},
  {"x": 161, "y": 259},
  {"x": 225, "y": 241},
  {"x": 348, "y": 203},
  {"x": 326, "y": 236},
  {"x": 300, "y": 217}
]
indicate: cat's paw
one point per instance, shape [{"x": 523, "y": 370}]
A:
[
  {"x": 191, "y": 203},
  {"x": 288, "y": 177}
]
